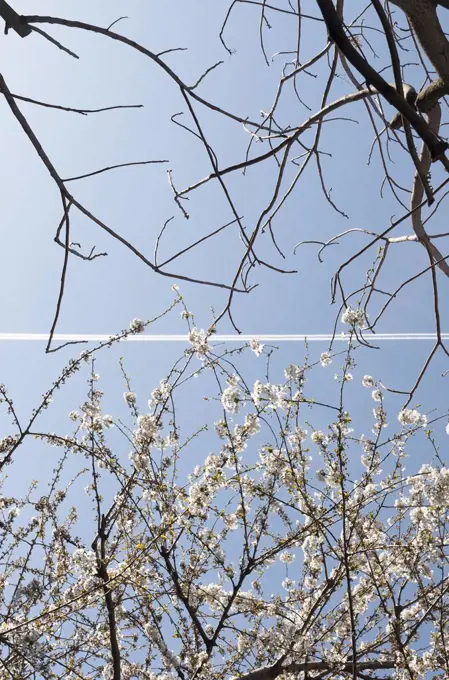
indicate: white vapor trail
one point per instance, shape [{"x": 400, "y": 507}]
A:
[{"x": 263, "y": 337}]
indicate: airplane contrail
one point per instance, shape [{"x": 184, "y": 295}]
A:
[{"x": 262, "y": 337}]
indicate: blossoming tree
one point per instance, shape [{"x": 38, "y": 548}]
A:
[
  {"x": 278, "y": 540},
  {"x": 288, "y": 534}
]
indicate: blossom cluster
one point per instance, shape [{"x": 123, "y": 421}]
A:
[{"x": 275, "y": 531}]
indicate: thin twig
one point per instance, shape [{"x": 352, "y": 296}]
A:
[
  {"x": 111, "y": 167},
  {"x": 54, "y": 42}
]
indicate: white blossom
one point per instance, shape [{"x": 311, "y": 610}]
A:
[
  {"x": 136, "y": 326},
  {"x": 273, "y": 396},
  {"x": 286, "y": 557},
  {"x": 298, "y": 436},
  {"x": 230, "y": 521},
  {"x": 231, "y": 396},
  {"x": 412, "y": 417},
  {"x": 84, "y": 561},
  {"x": 318, "y": 437},
  {"x": 294, "y": 372},
  {"x": 198, "y": 340},
  {"x": 354, "y": 317},
  {"x": 160, "y": 394},
  {"x": 256, "y": 347},
  {"x": 325, "y": 359},
  {"x": 108, "y": 421},
  {"x": 148, "y": 427},
  {"x": 130, "y": 398}
]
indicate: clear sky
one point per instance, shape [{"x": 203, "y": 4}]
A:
[{"x": 104, "y": 295}]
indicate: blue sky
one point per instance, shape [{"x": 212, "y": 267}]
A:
[{"x": 103, "y": 296}]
